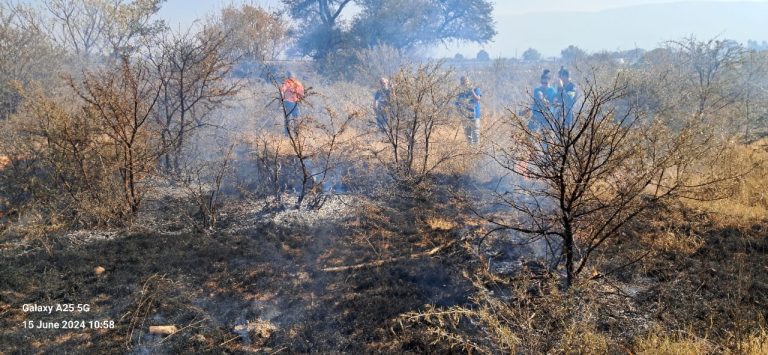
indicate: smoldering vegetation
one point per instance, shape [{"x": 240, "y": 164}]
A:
[{"x": 161, "y": 177}]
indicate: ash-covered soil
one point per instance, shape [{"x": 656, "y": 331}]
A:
[
  {"x": 255, "y": 285},
  {"x": 342, "y": 278}
]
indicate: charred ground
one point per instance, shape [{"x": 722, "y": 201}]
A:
[
  {"x": 265, "y": 273},
  {"x": 262, "y": 284}
]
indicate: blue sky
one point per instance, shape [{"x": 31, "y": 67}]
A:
[
  {"x": 514, "y": 24},
  {"x": 184, "y": 12}
]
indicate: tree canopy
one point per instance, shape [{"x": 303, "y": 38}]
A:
[
  {"x": 483, "y": 55},
  {"x": 94, "y": 27},
  {"x": 531, "y": 54},
  {"x": 400, "y": 24},
  {"x": 252, "y": 33},
  {"x": 572, "y": 53}
]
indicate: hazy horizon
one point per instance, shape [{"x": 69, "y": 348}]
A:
[
  {"x": 644, "y": 26},
  {"x": 599, "y": 24}
]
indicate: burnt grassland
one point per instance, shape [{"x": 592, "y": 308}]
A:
[
  {"x": 264, "y": 277},
  {"x": 684, "y": 279}
]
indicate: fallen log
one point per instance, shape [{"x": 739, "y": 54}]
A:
[
  {"x": 376, "y": 263},
  {"x": 163, "y": 329}
]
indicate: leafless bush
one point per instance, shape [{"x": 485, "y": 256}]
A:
[
  {"x": 122, "y": 101},
  {"x": 56, "y": 164},
  {"x": 314, "y": 143},
  {"x": 379, "y": 61},
  {"x": 582, "y": 180},
  {"x": 87, "y": 29},
  {"x": 26, "y": 55},
  {"x": 87, "y": 155},
  {"x": 270, "y": 154},
  {"x": 710, "y": 62},
  {"x": 716, "y": 80},
  {"x": 203, "y": 182},
  {"x": 421, "y": 104},
  {"x": 752, "y": 105},
  {"x": 193, "y": 73}
]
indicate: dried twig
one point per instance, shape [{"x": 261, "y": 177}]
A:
[{"x": 387, "y": 261}]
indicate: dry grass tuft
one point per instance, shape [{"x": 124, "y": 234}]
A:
[
  {"x": 440, "y": 224},
  {"x": 663, "y": 343},
  {"x": 670, "y": 242},
  {"x": 579, "y": 339},
  {"x": 755, "y": 344}
]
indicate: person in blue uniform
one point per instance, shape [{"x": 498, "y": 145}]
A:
[
  {"x": 566, "y": 96},
  {"x": 543, "y": 101}
]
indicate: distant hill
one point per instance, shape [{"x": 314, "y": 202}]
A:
[{"x": 643, "y": 26}]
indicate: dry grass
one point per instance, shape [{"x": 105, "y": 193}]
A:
[
  {"x": 537, "y": 318},
  {"x": 755, "y": 344},
  {"x": 440, "y": 224},
  {"x": 678, "y": 343},
  {"x": 698, "y": 286},
  {"x": 277, "y": 143},
  {"x": 580, "y": 339},
  {"x": 749, "y": 200},
  {"x": 671, "y": 242},
  {"x": 360, "y": 144}
]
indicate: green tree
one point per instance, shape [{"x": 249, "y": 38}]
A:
[
  {"x": 400, "y": 24},
  {"x": 483, "y": 55},
  {"x": 572, "y": 53},
  {"x": 531, "y": 55},
  {"x": 319, "y": 32},
  {"x": 407, "y": 23}
]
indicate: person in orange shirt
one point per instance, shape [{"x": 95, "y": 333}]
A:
[{"x": 292, "y": 92}]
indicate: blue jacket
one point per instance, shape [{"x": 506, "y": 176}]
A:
[
  {"x": 565, "y": 100},
  {"x": 540, "y": 106}
]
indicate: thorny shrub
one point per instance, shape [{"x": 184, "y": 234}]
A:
[{"x": 420, "y": 117}]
